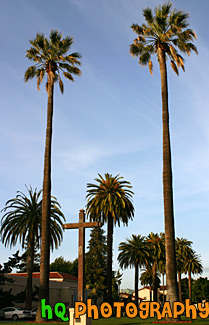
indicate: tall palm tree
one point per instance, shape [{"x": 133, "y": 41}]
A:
[
  {"x": 22, "y": 221},
  {"x": 193, "y": 265},
  {"x": 51, "y": 58},
  {"x": 165, "y": 33},
  {"x": 110, "y": 201},
  {"x": 134, "y": 253},
  {"x": 156, "y": 251},
  {"x": 183, "y": 249}
]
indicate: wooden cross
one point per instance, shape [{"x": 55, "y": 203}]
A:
[{"x": 81, "y": 225}]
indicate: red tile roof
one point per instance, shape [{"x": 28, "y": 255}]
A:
[{"x": 52, "y": 275}]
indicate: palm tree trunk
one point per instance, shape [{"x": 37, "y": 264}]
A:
[
  {"x": 154, "y": 282},
  {"x": 137, "y": 284},
  {"x": 29, "y": 283},
  {"x": 179, "y": 281},
  {"x": 109, "y": 257},
  {"x": 190, "y": 286},
  {"x": 171, "y": 280},
  {"x": 163, "y": 288},
  {"x": 45, "y": 226}
]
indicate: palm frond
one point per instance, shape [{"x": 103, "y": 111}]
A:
[
  {"x": 167, "y": 31},
  {"x": 49, "y": 56},
  {"x": 144, "y": 58},
  {"x": 174, "y": 67},
  {"x": 147, "y": 13},
  {"x": 61, "y": 85},
  {"x": 150, "y": 67},
  {"x": 30, "y": 73},
  {"x": 68, "y": 76}
]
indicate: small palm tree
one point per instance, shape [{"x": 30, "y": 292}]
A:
[
  {"x": 110, "y": 201},
  {"x": 183, "y": 249},
  {"x": 22, "y": 221},
  {"x": 146, "y": 278},
  {"x": 134, "y": 253},
  {"x": 193, "y": 265},
  {"x": 156, "y": 251},
  {"x": 164, "y": 34},
  {"x": 51, "y": 58}
]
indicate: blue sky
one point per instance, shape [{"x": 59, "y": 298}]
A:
[{"x": 108, "y": 120}]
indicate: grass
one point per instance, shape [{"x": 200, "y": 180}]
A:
[
  {"x": 138, "y": 321},
  {"x": 113, "y": 321}
]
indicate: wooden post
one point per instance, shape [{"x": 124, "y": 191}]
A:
[
  {"x": 81, "y": 257},
  {"x": 81, "y": 225}
]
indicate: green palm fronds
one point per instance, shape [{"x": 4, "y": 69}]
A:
[
  {"x": 22, "y": 217},
  {"x": 111, "y": 195},
  {"x": 166, "y": 29},
  {"x": 50, "y": 56}
]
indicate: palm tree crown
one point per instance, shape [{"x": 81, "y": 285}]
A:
[
  {"x": 111, "y": 196},
  {"x": 110, "y": 201},
  {"x": 50, "y": 56},
  {"x": 134, "y": 253},
  {"x": 165, "y": 30},
  {"x": 22, "y": 219}
]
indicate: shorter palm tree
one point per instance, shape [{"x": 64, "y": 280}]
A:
[
  {"x": 134, "y": 253},
  {"x": 110, "y": 201},
  {"x": 22, "y": 221},
  {"x": 146, "y": 278},
  {"x": 193, "y": 265},
  {"x": 157, "y": 252},
  {"x": 183, "y": 249}
]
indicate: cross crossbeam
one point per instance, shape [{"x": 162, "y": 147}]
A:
[{"x": 80, "y": 225}]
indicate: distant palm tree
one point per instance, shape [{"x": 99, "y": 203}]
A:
[
  {"x": 50, "y": 57},
  {"x": 22, "y": 221},
  {"x": 134, "y": 253},
  {"x": 146, "y": 278},
  {"x": 183, "y": 249},
  {"x": 165, "y": 32},
  {"x": 110, "y": 200},
  {"x": 156, "y": 251},
  {"x": 193, "y": 265}
]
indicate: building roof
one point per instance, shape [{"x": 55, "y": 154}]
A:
[
  {"x": 52, "y": 275},
  {"x": 149, "y": 288}
]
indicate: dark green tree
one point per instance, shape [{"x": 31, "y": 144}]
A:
[
  {"x": 50, "y": 57},
  {"x": 61, "y": 265},
  {"x": 22, "y": 267},
  {"x": 6, "y": 297},
  {"x": 200, "y": 290},
  {"x": 96, "y": 264},
  {"x": 116, "y": 281},
  {"x": 164, "y": 33},
  {"x": 110, "y": 201},
  {"x": 184, "y": 289}
]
